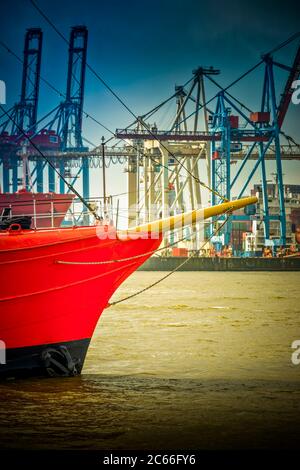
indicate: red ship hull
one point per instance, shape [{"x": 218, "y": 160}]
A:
[
  {"x": 49, "y": 310},
  {"x": 47, "y": 209},
  {"x": 55, "y": 283}
]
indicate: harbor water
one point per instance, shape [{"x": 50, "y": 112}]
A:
[{"x": 201, "y": 361}]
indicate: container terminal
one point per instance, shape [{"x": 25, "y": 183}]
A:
[
  {"x": 197, "y": 347},
  {"x": 220, "y": 144}
]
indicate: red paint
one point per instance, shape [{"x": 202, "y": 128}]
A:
[
  {"x": 45, "y": 140},
  {"x": 44, "y": 302},
  {"x": 182, "y": 252},
  {"x": 22, "y": 203},
  {"x": 263, "y": 117},
  {"x": 234, "y": 122}
]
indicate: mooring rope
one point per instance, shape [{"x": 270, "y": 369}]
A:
[
  {"x": 122, "y": 259},
  {"x": 111, "y": 261},
  {"x": 171, "y": 272}
]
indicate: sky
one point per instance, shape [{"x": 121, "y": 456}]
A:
[{"x": 142, "y": 49}]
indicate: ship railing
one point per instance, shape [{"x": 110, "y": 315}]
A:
[{"x": 52, "y": 216}]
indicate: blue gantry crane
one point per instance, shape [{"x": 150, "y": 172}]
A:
[
  {"x": 262, "y": 130},
  {"x": 234, "y": 128},
  {"x": 68, "y": 117},
  {"x": 23, "y": 113},
  {"x": 228, "y": 129},
  {"x": 67, "y": 120},
  {"x": 59, "y": 132}
]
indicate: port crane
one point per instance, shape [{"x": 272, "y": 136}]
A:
[
  {"x": 23, "y": 113},
  {"x": 59, "y": 131},
  {"x": 222, "y": 136},
  {"x": 260, "y": 131},
  {"x": 67, "y": 119}
]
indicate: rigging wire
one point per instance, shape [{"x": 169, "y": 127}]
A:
[
  {"x": 283, "y": 44},
  {"x": 289, "y": 139},
  {"x": 138, "y": 119},
  {"x": 56, "y": 90},
  {"x": 122, "y": 102},
  {"x": 277, "y": 48},
  {"x": 229, "y": 94},
  {"x": 50, "y": 163},
  {"x": 152, "y": 111},
  {"x": 148, "y": 114},
  {"x": 215, "y": 96}
]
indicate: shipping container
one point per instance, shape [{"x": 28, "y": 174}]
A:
[
  {"x": 234, "y": 122},
  {"x": 260, "y": 117},
  {"x": 182, "y": 252}
]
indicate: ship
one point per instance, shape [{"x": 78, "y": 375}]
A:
[
  {"x": 55, "y": 284},
  {"x": 45, "y": 209}
]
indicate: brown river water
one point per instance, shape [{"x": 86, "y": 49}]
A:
[{"x": 201, "y": 361}]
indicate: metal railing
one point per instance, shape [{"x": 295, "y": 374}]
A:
[{"x": 48, "y": 214}]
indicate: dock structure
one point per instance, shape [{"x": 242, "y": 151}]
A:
[{"x": 169, "y": 263}]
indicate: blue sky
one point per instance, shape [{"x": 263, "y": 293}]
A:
[{"x": 142, "y": 49}]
